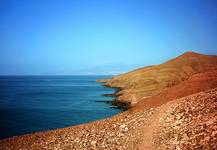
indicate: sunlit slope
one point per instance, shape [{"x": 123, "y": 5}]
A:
[{"x": 149, "y": 81}]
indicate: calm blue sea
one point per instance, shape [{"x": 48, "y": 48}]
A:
[{"x": 37, "y": 103}]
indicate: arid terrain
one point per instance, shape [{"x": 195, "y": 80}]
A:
[
  {"x": 149, "y": 81},
  {"x": 173, "y": 106}
]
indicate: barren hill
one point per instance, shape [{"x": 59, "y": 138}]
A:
[{"x": 149, "y": 81}]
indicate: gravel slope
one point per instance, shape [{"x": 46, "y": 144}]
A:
[
  {"x": 172, "y": 118},
  {"x": 186, "y": 123}
]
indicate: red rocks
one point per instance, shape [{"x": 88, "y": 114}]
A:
[{"x": 190, "y": 124}]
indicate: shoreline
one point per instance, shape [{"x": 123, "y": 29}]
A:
[
  {"x": 187, "y": 107},
  {"x": 88, "y": 111},
  {"x": 125, "y": 130},
  {"x": 120, "y": 104}
]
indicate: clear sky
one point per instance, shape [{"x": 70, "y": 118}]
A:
[{"x": 51, "y": 37}]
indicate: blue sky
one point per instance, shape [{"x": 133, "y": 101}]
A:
[{"x": 51, "y": 37}]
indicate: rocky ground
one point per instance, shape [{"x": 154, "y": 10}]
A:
[
  {"x": 189, "y": 123},
  {"x": 122, "y": 132},
  {"x": 186, "y": 123},
  {"x": 165, "y": 114}
]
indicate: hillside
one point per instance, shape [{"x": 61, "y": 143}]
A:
[
  {"x": 186, "y": 123},
  {"x": 175, "y": 108},
  {"x": 149, "y": 81}
]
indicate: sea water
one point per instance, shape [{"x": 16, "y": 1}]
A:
[{"x": 37, "y": 103}]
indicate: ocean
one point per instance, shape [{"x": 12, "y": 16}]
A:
[{"x": 37, "y": 103}]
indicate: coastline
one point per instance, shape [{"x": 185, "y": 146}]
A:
[
  {"x": 60, "y": 99},
  {"x": 130, "y": 129},
  {"x": 125, "y": 105},
  {"x": 179, "y": 106}
]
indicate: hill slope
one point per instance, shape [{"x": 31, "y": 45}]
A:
[
  {"x": 176, "y": 115},
  {"x": 149, "y": 81},
  {"x": 186, "y": 123}
]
